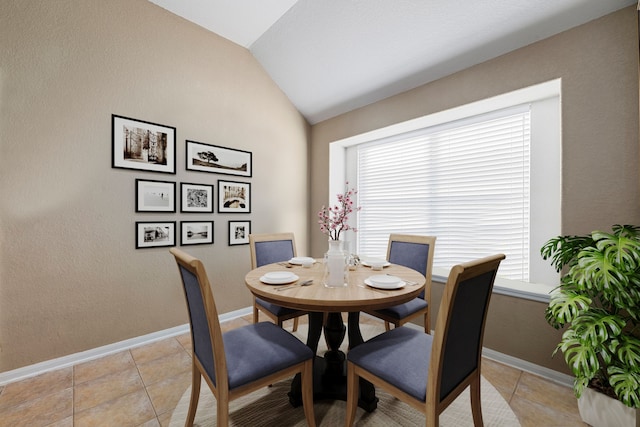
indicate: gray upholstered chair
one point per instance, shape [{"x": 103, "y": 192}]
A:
[
  {"x": 267, "y": 249},
  {"x": 242, "y": 360},
  {"x": 429, "y": 371},
  {"x": 415, "y": 252}
]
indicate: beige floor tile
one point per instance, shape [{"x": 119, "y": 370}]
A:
[
  {"x": 41, "y": 411},
  {"x": 130, "y": 410},
  {"x": 166, "y": 394},
  {"x": 546, "y": 393},
  {"x": 105, "y": 388},
  {"x": 165, "y": 367},
  {"x": 503, "y": 378},
  {"x": 36, "y": 387},
  {"x": 151, "y": 423},
  {"x": 105, "y": 365},
  {"x": 156, "y": 350},
  {"x": 532, "y": 414},
  {"x": 67, "y": 422},
  {"x": 539, "y": 402},
  {"x": 165, "y": 419},
  {"x": 185, "y": 341}
]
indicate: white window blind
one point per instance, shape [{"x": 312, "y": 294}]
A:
[{"x": 466, "y": 182}]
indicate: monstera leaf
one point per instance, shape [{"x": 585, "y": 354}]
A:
[
  {"x": 598, "y": 301},
  {"x": 565, "y": 306},
  {"x": 626, "y": 385},
  {"x": 580, "y": 357}
]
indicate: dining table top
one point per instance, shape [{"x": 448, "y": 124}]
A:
[{"x": 356, "y": 296}]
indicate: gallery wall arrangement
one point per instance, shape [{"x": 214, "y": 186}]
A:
[{"x": 151, "y": 147}]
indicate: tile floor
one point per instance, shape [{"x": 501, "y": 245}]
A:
[{"x": 141, "y": 387}]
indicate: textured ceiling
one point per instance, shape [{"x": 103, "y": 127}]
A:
[{"x": 332, "y": 56}]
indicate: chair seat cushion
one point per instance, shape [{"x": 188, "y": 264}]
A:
[
  {"x": 401, "y": 311},
  {"x": 399, "y": 357},
  {"x": 257, "y": 350},
  {"x": 275, "y": 309}
]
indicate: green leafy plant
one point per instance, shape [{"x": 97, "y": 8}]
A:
[{"x": 598, "y": 302}]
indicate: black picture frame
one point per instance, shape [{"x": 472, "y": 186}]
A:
[
  {"x": 210, "y": 158},
  {"x": 196, "y": 198},
  {"x": 239, "y": 232},
  {"x": 196, "y": 233},
  {"x": 234, "y": 197},
  {"x": 141, "y": 145},
  {"x": 155, "y": 196},
  {"x": 155, "y": 234}
]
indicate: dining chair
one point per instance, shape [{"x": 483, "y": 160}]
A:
[
  {"x": 429, "y": 371},
  {"x": 240, "y": 361},
  {"x": 267, "y": 249},
  {"x": 415, "y": 252}
]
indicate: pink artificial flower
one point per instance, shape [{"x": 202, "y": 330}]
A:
[{"x": 333, "y": 220}]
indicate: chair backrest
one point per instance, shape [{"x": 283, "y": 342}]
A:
[
  {"x": 415, "y": 252},
  {"x": 270, "y": 248},
  {"x": 457, "y": 346},
  {"x": 206, "y": 335}
]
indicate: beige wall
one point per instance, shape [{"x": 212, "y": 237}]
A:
[
  {"x": 598, "y": 64},
  {"x": 70, "y": 276}
]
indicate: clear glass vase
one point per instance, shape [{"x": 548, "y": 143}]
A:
[{"x": 336, "y": 267}]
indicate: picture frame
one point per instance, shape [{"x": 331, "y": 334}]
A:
[
  {"x": 239, "y": 232},
  {"x": 196, "y": 233},
  {"x": 234, "y": 197},
  {"x": 142, "y": 145},
  {"x": 155, "y": 196},
  {"x": 196, "y": 197},
  {"x": 155, "y": 234},
  {"x": 216, "y": 159}
]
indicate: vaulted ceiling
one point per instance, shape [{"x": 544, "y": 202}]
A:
[{"x": 332, "y": 56}]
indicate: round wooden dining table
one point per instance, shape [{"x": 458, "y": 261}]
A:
[{"x": 325, "y": 306}]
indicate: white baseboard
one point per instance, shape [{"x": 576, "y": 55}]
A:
[{"x": 96, "y": 353}]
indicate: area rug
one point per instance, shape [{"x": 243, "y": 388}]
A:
[{"x": 270, "y": 406}]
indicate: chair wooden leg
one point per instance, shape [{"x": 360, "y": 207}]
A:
[
  {"x": 427, "y": 323},
  {"x": 195, "y": 396},
  {"x": 387, "y": 326},
  {"x": 307, "y": 393},
  {"x": 255, "y": 313},
  {"x": 295, "y": 324},
  {"x": 352, "y": 394},
  {"x": 222, "y": 406},
  {"x": 476, "y": 406}
]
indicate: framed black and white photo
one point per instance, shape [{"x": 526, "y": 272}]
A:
[
  {"x": 196, "y": 198},
  {"x": 196, "y": 233},
  {"x": 239, "y": 232},
  {"x": 155, "y": 196},
  {"x": 141, "y": 145},
  {"x": 234, "y": 197},
  {"x": 150, "y": 234},
  {"x": 215, "y": 159}
]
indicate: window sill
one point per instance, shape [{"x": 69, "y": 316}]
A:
[{"x": 513, "y": 288}]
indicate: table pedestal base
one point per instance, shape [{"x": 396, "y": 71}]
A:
[{"x": 329, "y": 372}]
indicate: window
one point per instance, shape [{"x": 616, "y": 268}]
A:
[
  {"x": 483, "y": 178},
  {"x": 466, "y": 182}
]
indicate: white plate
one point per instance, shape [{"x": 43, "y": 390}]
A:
[
  {"x": 380, "y": 285},
  {"x": 299, "y": 260},
  {"x": 290, "y": 277},
  {"x": 279, "y": 275},
  {"x": 368, "y": 261}
]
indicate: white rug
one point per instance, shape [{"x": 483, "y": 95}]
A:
[{"x": 270, "y": 407}]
